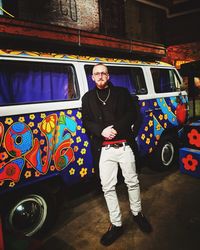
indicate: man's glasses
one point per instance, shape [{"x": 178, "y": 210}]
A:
[{"x": 100, "y": 74}]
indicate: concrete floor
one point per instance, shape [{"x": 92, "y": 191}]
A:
[{"x": 170, "y": 200}]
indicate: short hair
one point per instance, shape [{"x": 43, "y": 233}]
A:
[{"x": 99, "y": 64}]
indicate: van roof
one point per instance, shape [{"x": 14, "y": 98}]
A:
[{"x": 55, "y": 56}]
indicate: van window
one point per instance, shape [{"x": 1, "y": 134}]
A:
[
  {"x": 165, "y": 80},
  {"x": 28, "y": 82},
  {"x": 130, "y": 77}
]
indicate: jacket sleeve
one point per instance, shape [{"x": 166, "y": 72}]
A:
[
  {"x": 92, "y": 127},
  {"x": 130, "y": 114}
]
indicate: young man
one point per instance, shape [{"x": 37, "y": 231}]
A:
[{"x": 108, "y": 114}]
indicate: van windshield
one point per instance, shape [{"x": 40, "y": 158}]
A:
[{"x": 28, "y": 82}]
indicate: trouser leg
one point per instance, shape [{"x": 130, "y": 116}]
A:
[
  {"x": 108, "y": 169},
  {"x": 127, "y": 164}
]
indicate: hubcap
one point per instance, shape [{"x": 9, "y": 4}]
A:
[
  {"x": 28, "y": 215},
  {"x": 167, "y": 154}
]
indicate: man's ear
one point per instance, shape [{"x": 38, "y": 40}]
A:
[{"x": 93, "y": 78}]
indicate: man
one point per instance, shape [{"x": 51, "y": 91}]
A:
[{"x": 108, "y": 115}]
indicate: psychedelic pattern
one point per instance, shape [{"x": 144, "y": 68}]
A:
[
  {"x": 43, "y": 144},
  {"x": 76, "y": 57},
  {"x": 158, "y": 114}
]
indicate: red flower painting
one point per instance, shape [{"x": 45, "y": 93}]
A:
[
  {"x": 190, "y": 163},
  {"x": 194, "y": 137}
]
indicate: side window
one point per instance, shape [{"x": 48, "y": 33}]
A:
[
  {"x": 131, "y": 78},
  {"x": 165, "y": 80},
  {"x": 28, "y": 82}
]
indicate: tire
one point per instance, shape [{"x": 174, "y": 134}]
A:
[
  {"x": 166, "y": 153},
  {"x": 31, "y": 214}
]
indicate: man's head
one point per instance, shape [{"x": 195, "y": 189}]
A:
[{"x": 100, "y": 75}]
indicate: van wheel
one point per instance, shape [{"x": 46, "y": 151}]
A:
[
  {"x": 166, "y": 153},
  {"x": 31, "y": 214}
]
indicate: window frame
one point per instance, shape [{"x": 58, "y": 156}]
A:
[
  {"x": 131, "y": 71},
  {"x": 171, "y": 74},
  {"x": 43, "y": 64}
]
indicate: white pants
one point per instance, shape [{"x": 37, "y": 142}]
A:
[{"x": 110, "y": 159}]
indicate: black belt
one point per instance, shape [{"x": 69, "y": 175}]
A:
[{"x": 116, "y": 145}]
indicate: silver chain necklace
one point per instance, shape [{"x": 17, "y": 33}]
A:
[{"x": 103, "y": 101}]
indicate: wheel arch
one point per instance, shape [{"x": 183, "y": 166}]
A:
[{"x": 43, "y": 192}]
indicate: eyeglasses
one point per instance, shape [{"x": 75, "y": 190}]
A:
[{"x": 100, "y": 73}]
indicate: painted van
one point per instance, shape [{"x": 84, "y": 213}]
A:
[{"x": 42, "y": 141}]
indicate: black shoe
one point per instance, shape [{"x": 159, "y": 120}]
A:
[
  {"x": 143, "y": 223},
  {"x": 111, "y": 235}
]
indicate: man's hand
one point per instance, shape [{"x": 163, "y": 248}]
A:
[{"x": 109, "y": 133}]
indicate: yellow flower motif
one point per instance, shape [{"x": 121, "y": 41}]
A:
[
  {"x": 42, "y": 141},
  {"x": 165, "y": 125},
  {"x": 32, "y": 117},
  {"x": 28, "y": 174},
  {"x": 79, "y": 115},
  {"x": 151, "y": 135},
  {"x": 37, "y": 174},
  {"x": 161, "y": 117},
  {"x": 83, "y": 151},
  {"x": 93, "y": 170},
  {"x": 1, "y": 183},
  {"x": 158, "y": 127},
  {"x": 43, "y": 115},
  {"x": 161, "y": 99},
  {"x": 147, "y": 141},
  {"x": 79, "y": 127},
  {"x": 151, "y": 114},
  {"x": 150, "y": 150},
  {"x": 78, "y": 139},
  {"x": 12, "y": 184},
  {"x": 35, "y": 131},
  {"x": 150, "y": 123},
  {"x": 165, "y": 116},
  {"x": 69, "y": 112},
  {"x": 72, "y": 171},
  {"x": 62, "y": 113},
  {"x": 143, "y": 104},
  {"x": 85, "y": 143},
  {"x": 80, "y": 161},
  {"x": 9, "y": 121},
  {"x": 52, "y": 168},
  {"x": 146, "y": 128},
  {"x": 173, "y": 119},
  {"x": 48, "y": 124},
  {"x": 83, "y": 130},
  {"x": 143, "y": 137},
  {"x": 31, "y": 124},
  {"x": 21, "y": 119},
  {"x": 83, "y": 172},
  {"x": 170, "y": 109},
  {"x": 155, "y": 104},
  {"x": 73, "y": 118},
  {"x": 75, "y": 148}
]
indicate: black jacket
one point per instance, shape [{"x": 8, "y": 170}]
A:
[{"x": 125, "y": 112}]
